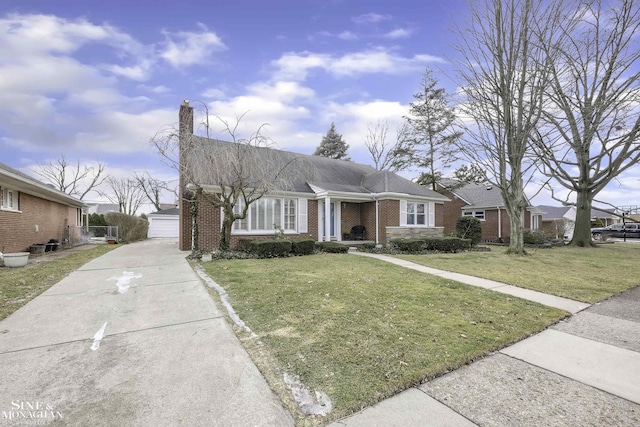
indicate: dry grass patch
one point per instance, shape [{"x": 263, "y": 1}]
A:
[
  {"x": 582, "y": 274},
  {"x": 18, "y": 286},
  {"x": 362, "y": 330}
]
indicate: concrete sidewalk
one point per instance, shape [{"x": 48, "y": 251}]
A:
[
  {"x": 130, "y": 339},
  {"x": 583, "y": 371}
]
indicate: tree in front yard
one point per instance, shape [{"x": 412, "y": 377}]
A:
[
  {"x": 468, "y": 227},
  {"x": 592, "y": 131}
]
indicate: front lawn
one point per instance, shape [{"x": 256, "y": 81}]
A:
[
  {"x": 360, "y": 329},
  {"x": 18, "y": 286},
  {"x": 583, "y": 274}
]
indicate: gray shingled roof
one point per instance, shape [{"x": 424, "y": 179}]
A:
[
  {"x": 31, "y": 185},
  {"x": 172, "y": 211},
  {"x": 480, "y": 195},
  {"x": 553, "y": 212},
  {"x": 335, "y": 175}
]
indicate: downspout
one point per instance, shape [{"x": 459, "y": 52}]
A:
[
  {"x": 499, "y": 225},
  {"x": 377, "y": 222}
]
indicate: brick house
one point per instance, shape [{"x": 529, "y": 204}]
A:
[
  {"x": 33, "y": 212},
  {"x": 341, "y": 195},
  {"x": 483, "y": 201}
]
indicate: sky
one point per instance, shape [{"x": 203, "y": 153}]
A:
[{"x": 95, "y": 81}]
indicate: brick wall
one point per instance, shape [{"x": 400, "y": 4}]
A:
[
  {"x": 350, "y": 216},
  {"x": 210, "y": 224},
  {"x": 18, "y": 229}
]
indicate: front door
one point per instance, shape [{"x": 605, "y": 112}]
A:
[{"x": 332, "y": 209}]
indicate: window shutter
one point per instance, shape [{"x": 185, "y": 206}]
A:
[
  {"x": 302, "y": 216},
  {"x": 432, "y": 214},
  {"x": 403, "y": 212}
]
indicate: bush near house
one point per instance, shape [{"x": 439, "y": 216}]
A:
[
  {"x": 533, "y": 237},
  {"x": 272, "y": 248},
  {"x": 130, "y": 228},
  {"x": 332, "y": 247},
  {"x": 431, "y": 244},
  {"x": 468, "y": 227}
]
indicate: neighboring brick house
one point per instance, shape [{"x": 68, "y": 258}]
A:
[
  {"x": 482, "y": 201},
  {"x": 33, "y": 212},
  {"x": 342, "y": 195}
]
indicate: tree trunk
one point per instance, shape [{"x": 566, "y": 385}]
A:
[
  {"x": 582, "y": 229},
  {"x": 225, "y": 232},
  {"x": 516, "y": 240}
]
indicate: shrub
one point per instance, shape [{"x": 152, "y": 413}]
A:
[
  {"x": 271, "y": 248},
  {"x": 332, "y": 247},
  {"x": 303, "y": 246},
  {"x": 531, "y": 237},
  {"x": 244, "y": 244},
  {"x": 130, "y": 228},
  {"x": 409, "y": 245},
  {"x": 447, "y": 244},
  {"x": 468, "y": 227}
]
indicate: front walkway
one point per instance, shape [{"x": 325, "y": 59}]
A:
[{"x": 583, "y": 371}]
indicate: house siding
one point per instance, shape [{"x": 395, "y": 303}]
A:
[{"x": 18, "y": 229}]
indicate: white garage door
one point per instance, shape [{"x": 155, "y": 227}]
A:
[{"x": 163, "y": 227}]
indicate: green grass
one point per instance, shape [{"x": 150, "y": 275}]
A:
[
  {"x": 18, "y": 286},
  {"x": 361, "y": 330},
  {"x": 582, "y": 274}
]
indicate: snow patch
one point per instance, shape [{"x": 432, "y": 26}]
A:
[
  {"x": 320, "y": 405},
  {"x": 124, "y": 282},
  {"x": 98, "y": 337},
  {"x": 225, "y": 300}
]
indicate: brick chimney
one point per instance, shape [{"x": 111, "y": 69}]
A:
[
  {"x": 185, "y": 119},
  {"x": 185, "y": 131}
]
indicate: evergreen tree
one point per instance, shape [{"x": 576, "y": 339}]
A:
[
  {"x": 332, "y": 145},
  {"x": 429, "y": 140}
]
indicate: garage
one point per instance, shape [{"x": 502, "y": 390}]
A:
[{"x": 164, "y": 224}]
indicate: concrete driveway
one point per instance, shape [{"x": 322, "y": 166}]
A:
[{"x": 131, "y": 339}]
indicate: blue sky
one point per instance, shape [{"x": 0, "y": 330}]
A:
[{"x": 96, "y": 80}]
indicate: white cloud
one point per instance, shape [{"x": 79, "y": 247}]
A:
[
  {"x": 213, "y": 92},
  {"x": 399, "y": 33},
  {"x": 370, "y": 18},
  {"x": 296, "y": 66},
  {"x": 348, "y": 35},
  {"x": 186, "y": 48}
]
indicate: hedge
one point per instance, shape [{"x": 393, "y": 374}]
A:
[
  {"x": 332, "y": 247},
  {"x": 468, "y": 227},
  {"x": 447, "y": 244},
  {"x": 409, "y": 245},
  {"x": 271, "y": 248},
  {"x": 303, "y": 246}
]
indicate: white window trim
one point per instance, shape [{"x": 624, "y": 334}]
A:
[
  {"x": 15, "y": 197},
  {"x": 474, "y": 213},
  {"x": 430, "y": 214},
  {"x": 300, "y": 215}
]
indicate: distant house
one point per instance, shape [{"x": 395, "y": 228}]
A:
[
  {"x": 342, "y": 195},
  {"x": 34, "y": 212},
  {"x": 164, "y": 223},
  {"x": 482, "y": 201},
  {"x": 558, "y": 222}
]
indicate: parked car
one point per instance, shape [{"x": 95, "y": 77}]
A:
[{"x": 617, "y": 230}]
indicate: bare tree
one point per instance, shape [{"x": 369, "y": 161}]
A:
[
  {"x": 429, "y": 140},
  {"x": 229, "y": 175},
  {"x": 126, "y": 193},
  {"x": 75, "y": 180},
  {"x": 593, "y": 114},
  {"x": 503, "y": 88},
  {"x": 384, "y": 154},
  {"x": 152, "y": 188}
]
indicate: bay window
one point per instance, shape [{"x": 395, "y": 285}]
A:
[{"x": 265, "y": 214}]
